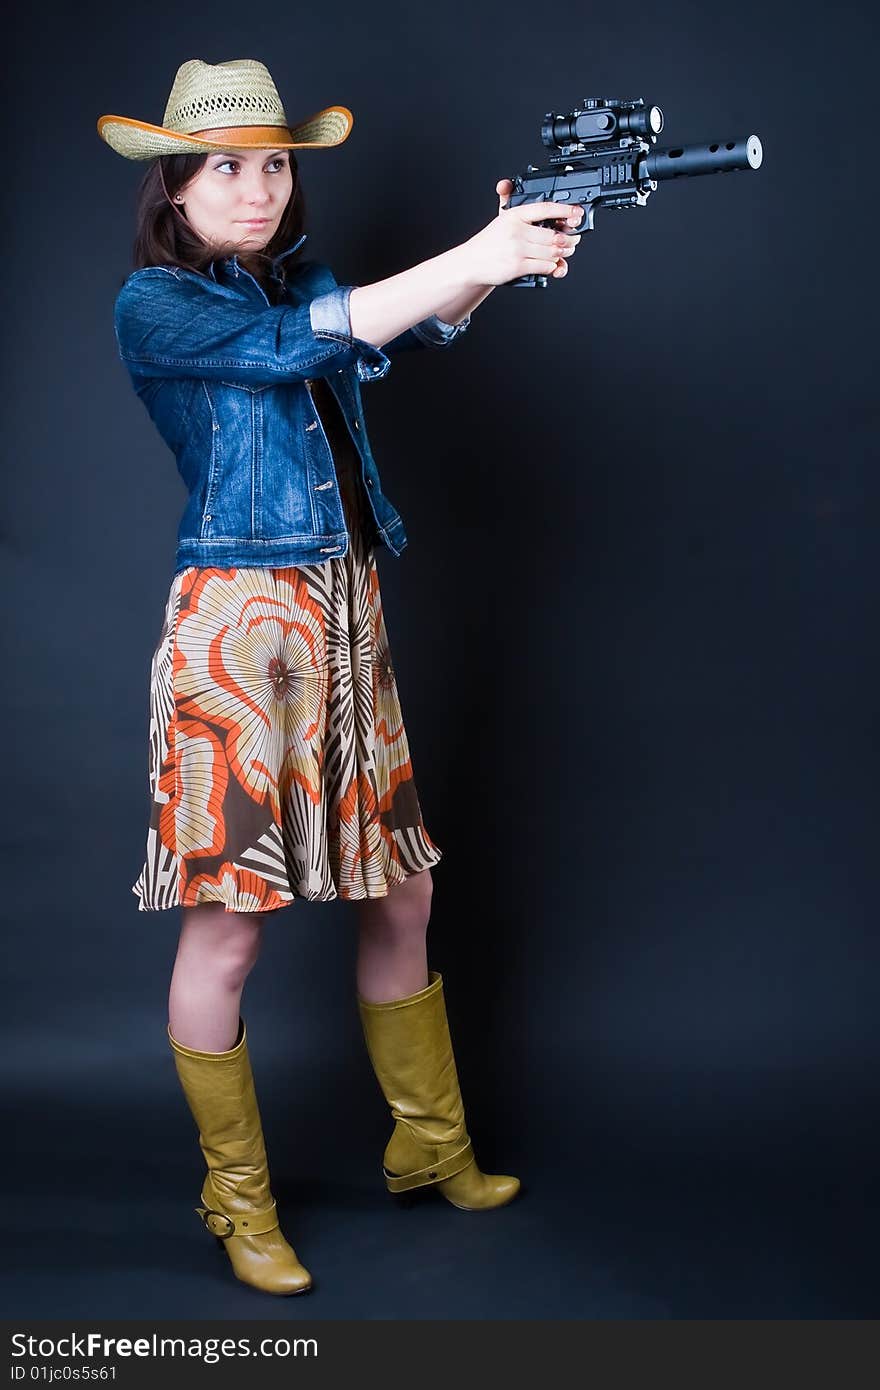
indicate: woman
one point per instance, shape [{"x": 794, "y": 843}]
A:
[{"x": 279, "y": 766}]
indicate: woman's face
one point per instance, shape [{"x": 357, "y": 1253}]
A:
[{"x": 239, "y": 196}]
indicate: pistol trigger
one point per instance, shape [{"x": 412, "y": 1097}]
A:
[{"x": 586, "y": 222}]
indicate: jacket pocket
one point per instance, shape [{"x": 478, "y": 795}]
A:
[{"x": 226, "y": 508}]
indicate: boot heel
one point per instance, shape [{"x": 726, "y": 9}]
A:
[{"x": 410, "y": 1198}]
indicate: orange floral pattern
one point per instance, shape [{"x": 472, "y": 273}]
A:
[{"x": 279, "y": 765}]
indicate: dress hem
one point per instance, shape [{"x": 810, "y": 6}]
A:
[{"x": 289, "y": 897}]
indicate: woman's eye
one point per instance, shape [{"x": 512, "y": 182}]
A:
[{"x": 226, "y": 163}]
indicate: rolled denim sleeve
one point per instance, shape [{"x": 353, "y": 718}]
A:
[
  {"x": 330, "y": 317},
  {"x": 436, "y": 333},
  {"x": 430, "y": 332},
  {"x": 169, "y": 323}
]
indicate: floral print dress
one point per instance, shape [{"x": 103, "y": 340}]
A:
[{"x": 278, "y": 764}]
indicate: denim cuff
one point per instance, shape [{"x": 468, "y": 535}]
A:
[
  {"x": 329, "y": 313},
  {"x": 435, "y": 332},
  {"x": 330, "y": 317}
]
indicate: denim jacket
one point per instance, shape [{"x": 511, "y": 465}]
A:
[{"x": 222, "y": 372}]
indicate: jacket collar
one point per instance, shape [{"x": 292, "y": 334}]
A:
[{"x": 230, "y": 263}]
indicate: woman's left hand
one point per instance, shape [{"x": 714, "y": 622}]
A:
[{"x": 504, "y": 188}]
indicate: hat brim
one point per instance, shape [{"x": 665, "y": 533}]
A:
[{"x": 140, "y": 140}]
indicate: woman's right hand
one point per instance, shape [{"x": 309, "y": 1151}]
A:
[{"x": 512, "y": 245}]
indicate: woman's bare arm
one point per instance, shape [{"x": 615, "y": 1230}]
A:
[
  {"x": 382, "y": 310},
  {"x": 455, "y": 282}
]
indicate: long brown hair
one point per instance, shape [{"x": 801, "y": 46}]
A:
[{"x": 162, "y": 236}]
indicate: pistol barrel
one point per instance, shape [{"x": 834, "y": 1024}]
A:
[{"x": 709, "y": 158}]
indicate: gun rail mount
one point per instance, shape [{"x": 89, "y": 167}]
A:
[{"x": 604, "y": 157}]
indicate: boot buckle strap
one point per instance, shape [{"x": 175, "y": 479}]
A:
[
  {"x": 245, "y": 1223},
  {"x": 446, "y": 1168}
]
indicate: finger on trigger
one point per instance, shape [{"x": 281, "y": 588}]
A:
[{"x": 543, "y": 212}]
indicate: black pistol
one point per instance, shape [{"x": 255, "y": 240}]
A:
[{"x": 604, "y": 158}]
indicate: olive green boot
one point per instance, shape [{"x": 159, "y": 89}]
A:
[
  {"x": 238, "y": 1206},
  {"x": 411, "y": 1053}
]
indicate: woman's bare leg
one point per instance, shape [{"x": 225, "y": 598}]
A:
[
  {"x": 215, "y": 953},
  {"x": 392, "y": 951}
]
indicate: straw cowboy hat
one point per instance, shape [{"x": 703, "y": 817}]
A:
[{"x": 225, "y": 106}]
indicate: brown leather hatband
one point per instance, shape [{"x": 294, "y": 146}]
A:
[{"x": 241, "y": 135}]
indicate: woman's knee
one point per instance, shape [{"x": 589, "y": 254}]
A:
[
  {"x": 404, "y": 912},
  {"x": 228, "y": 942},
  {"x": 410, "y": 901},
  {"x": 420, "y": 887},
  {"x": 244, "y": 946}
]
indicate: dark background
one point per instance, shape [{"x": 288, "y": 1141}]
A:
[{"x": 635, "y": 632}]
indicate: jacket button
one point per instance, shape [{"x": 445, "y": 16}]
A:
[
  {"x": 369, "y": 482},
  {"x": 208, "y": 516},
  {"x": 357, "y": 424}
]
